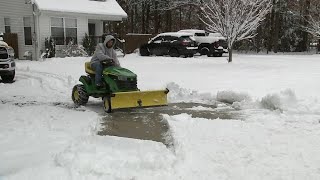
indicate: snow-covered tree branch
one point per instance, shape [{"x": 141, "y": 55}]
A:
[
  {"x": 234, "y": 19},
  {"x": 313, "y": 26}
]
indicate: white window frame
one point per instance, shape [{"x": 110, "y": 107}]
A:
[
  {"x": 30, "y": 30},
  {"x": 7, "y": 25},
  {"x": 64, "y": 27}
]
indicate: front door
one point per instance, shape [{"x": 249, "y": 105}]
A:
[{"x": 92, "y": 29}]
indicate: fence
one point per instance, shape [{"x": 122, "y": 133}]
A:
[
  {"x": 12, "y": 40},
  {"x": 134, "y": 41},
  {"x": 131, "y": 43},
  {"x": 120, "y": 45}
]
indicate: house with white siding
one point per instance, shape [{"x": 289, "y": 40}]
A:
[{"x": 35, "y": 20}]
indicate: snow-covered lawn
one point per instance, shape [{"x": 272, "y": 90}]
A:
[{"x": 42, "y": 135}]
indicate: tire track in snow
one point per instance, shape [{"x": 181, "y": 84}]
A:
[{"x": 51, "y": 83}]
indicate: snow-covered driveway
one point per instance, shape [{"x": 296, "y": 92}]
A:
[{"x": 42, "y": 135}]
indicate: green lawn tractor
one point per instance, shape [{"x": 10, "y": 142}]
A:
[{"x": 119, "y": 92}]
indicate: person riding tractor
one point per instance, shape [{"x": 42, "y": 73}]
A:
[
  {"x": 117, "y": 86},
  {"x": 104, "y": 54}
]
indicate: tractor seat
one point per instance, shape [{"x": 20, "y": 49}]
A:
[{"x": 88, "y": 69}]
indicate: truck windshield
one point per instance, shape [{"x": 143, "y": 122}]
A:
[{"x": 200, "y": 34}]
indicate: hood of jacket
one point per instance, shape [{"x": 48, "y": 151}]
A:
[{"x": 107, "y": 39}]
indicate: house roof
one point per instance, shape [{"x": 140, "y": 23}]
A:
[{"x": 92, "y": 7}]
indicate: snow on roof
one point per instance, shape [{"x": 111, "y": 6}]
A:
[
  {"x": 192, "y": 31},
  {"x": 94, "y": 7}
]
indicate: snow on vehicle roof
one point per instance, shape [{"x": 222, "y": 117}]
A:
[
  {"x": 215, "y": 35},
  {"x": 102, "y": 7},
  {"x": 176, "y": 34},
  {"x": 192, "y": 31},
  {"x": 2, "y": 43}
]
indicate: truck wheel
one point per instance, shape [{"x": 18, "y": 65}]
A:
[
  {"x": 210, "y": 55},
  {"x": 107, "y": 104},
  {"x": 174, "y": 53},
  {"x": 205, "y": 51},
  {"x": 8, "y": 78},
  {"x": 144, "y": 52},
  {"x": 79, "y": 95}
]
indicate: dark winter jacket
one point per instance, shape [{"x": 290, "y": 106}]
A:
[{"x": 103, "y": 53}]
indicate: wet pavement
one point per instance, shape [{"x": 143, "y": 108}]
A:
[{"x": 149, "y": 124}]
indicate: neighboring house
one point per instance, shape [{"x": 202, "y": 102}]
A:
[{"x": 35, "y": 20}]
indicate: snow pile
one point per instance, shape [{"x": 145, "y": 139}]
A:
[
  {"x": 201, "y": 108},
  {"x": 115, "y": 158},
  {"x": 178, "y": 94},
  {"x": 280, "y": 101},
  {"x": 265, "y": 146},
  {"x": 31, "y": 134},
  {"x": 230, "y": 97}
]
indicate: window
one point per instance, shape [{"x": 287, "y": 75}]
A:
[
  {"x": 27, "y": 31},
  {"x": 57, "y": 30},
  {"x": 200, "y": 34},
  {"x": 71, "y": 30},
  {"x": 158, "y": 39},
  {"x": 7, "y": 25},
  {"x": 64, "y": 30}
]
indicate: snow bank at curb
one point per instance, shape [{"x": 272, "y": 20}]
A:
[{"x": 285, "y": 100}]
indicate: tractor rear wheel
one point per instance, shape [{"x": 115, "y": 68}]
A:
[{"x": 79, "y": 95}]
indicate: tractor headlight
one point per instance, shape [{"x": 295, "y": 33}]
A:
[{"x": 122, "y": 78}]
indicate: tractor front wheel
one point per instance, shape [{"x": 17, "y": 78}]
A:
[{"x": 79, "y": 95}]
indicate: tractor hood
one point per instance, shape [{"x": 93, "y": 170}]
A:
[{"x": 119, "y": 71}]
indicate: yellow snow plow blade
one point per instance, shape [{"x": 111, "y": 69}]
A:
[{"x": 139, "y": 99}]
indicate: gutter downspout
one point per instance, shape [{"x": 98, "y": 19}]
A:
[{"x": 34, "y": 31}]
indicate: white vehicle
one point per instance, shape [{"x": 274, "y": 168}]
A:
[
  {"x": 7, "y": 64},
  {"x": 211, "y": 45}
]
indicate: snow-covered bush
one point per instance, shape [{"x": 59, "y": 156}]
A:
[
  {"x": 74, "y": 50},
  {"x": 50, "y": 48},
  {"x": 88, "y": 44}
]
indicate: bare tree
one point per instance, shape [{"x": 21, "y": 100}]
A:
[
  {"x": 234, "y": 19},
  {"x": 313, "y": 27}
]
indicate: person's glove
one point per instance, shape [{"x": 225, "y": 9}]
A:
[{"x": 108, "y": 61}]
